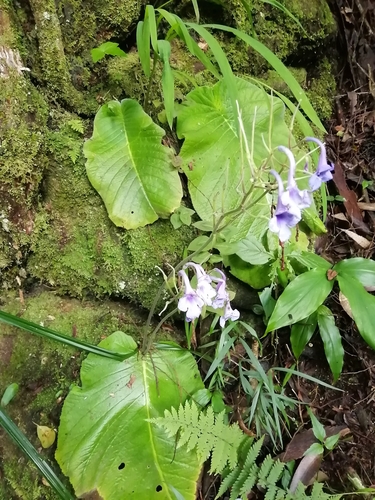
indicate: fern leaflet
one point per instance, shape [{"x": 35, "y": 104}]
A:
[{"x": 205, "y": 431}]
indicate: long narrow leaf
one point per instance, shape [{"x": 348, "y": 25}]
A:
[
  {"x": 307, "y": 377},
  {"x": 331, "y": 338},
  {"x": 150, "y": 17},
  {"x": 181, "y": 30},
  {"x": 28, "y": 449},
  {"x": 282, "y": 7},
  {"x": 196, "y": 10},
  {"x": 36, "y": 329},
  {"x": 280, "y": 68},
  {"x": 167, "y": 80},
  {"x": 143, "y": 45}
]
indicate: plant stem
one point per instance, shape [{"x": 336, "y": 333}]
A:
[{"x": 150, "y": 82}]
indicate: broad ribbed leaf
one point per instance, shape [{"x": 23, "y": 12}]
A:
[
  {"x": 362, "y": 305},
  {"x": 331, "y": 338},
  {"x": 300, "y": 298},
  {"x": 129, "y": 167},
  {"x": 361, "y": 269},
  {"x": 217, "y": 171},
  {"x": 104, "y": 440}
]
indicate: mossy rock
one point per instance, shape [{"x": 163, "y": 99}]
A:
[
  {"x": 77, "y": 250},
  {"x": 45, "y": 371}
]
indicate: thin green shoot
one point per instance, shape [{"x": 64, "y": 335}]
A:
[
  {"x": 44, "y": 332},
  {"x": 28, "y": 449}
]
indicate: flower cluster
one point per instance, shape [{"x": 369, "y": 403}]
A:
[
  {"x": 291, "y": 201},
  {"x": 209, "y": 291}
]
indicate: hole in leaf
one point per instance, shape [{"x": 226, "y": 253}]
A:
[
  {"x": 132, "y": 212},
  {"x": 121, "y": 466},
  {"x": 159, "y": 488}
]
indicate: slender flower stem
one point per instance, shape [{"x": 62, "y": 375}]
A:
[
  {"x": 219, "y": 226},
  {"x": 146, "y": 348}
]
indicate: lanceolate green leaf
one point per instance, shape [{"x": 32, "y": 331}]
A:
[
  {"x": 129, "y": 167},
  {"x": 358, "y": 268},
  {"x": 362, "y": 305},
  {"x": 331, "y": 338},
  {"x": 143, "y": 45},
  {"x": 105, "y": 442},
  {"x": 167, "y": 80},
  {"x": 300, "y": 298},
  {"x": 301, "y": 333}
]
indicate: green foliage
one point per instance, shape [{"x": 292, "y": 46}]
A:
[
  {"x": 106, "y": 441},
  {"x": 44, "y": 468},
  {"x": 76, "y": 125},
  {"x": 129, "y": 167},
  {"x": 106, "y": 48},
  {"x": 331, "y": 338},
  {"x": 265, "y": 475},
  {"x": 204, "y": 431},
  {"x": 222, "y": 170},
  {"x": 295, "y": 304}
]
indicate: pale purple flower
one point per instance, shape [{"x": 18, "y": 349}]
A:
[
  {"x": 287, "y": 213},
  {"x": 301, "y": 198},
  {"x": 323, "y": 172},
  {"x": 190, "y": 302},
  {"x": 204, "y": 288},
  {"x": 221, "y": 293},
  {"x": 222, "y": 300},
  {"x": 229, "y": 313}
]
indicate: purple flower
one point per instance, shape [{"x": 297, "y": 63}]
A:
[
  {"x": 222, "y": 300},
  {"x": 301, "y": 198},
  {"x": 190, "y": 302},
  {"x": 323, "y": 172},
  {"x": 229, "y": 313},
  {"x": 287, "y": 213},
  {"x": 204, "y": 288}
]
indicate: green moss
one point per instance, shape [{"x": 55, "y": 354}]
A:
[
  {"x": 45, "y": 370},
  {"x": 322, "y": 90},
  {"x": 77, "y": 250}
]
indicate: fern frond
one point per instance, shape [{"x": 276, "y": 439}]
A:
[
  {"x": 76, "y": 125},
  {"x": 206, "y": 432}
]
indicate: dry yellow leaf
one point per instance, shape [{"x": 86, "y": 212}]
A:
[{"x": 46, "y": 435}]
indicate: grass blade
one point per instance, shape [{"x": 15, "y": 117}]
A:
[
  {"x": 143, "y": 45},
  {"x": 36, "y": 329},
  {"x": 196, "y": 10},
  {"x": 28, "y": 449},
  {"x": 167, "y": 80},
  {"x": 181, "y": 30},
  {"x": 282, "y": 7},
  {"x": 150, "y": 18},
  {"x": 279, "y": 67}
]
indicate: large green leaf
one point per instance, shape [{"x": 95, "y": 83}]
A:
[
  {"x": 361, "y": 269},
  {"x": 218, "y": 172},
  {"x": 129, "y": 167},
  {"x": 300, "y": 298},
  {"x": 331, "y": 338},
  {"x": 362, "y": 305},
  {"x": 104, "y": 440}
]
